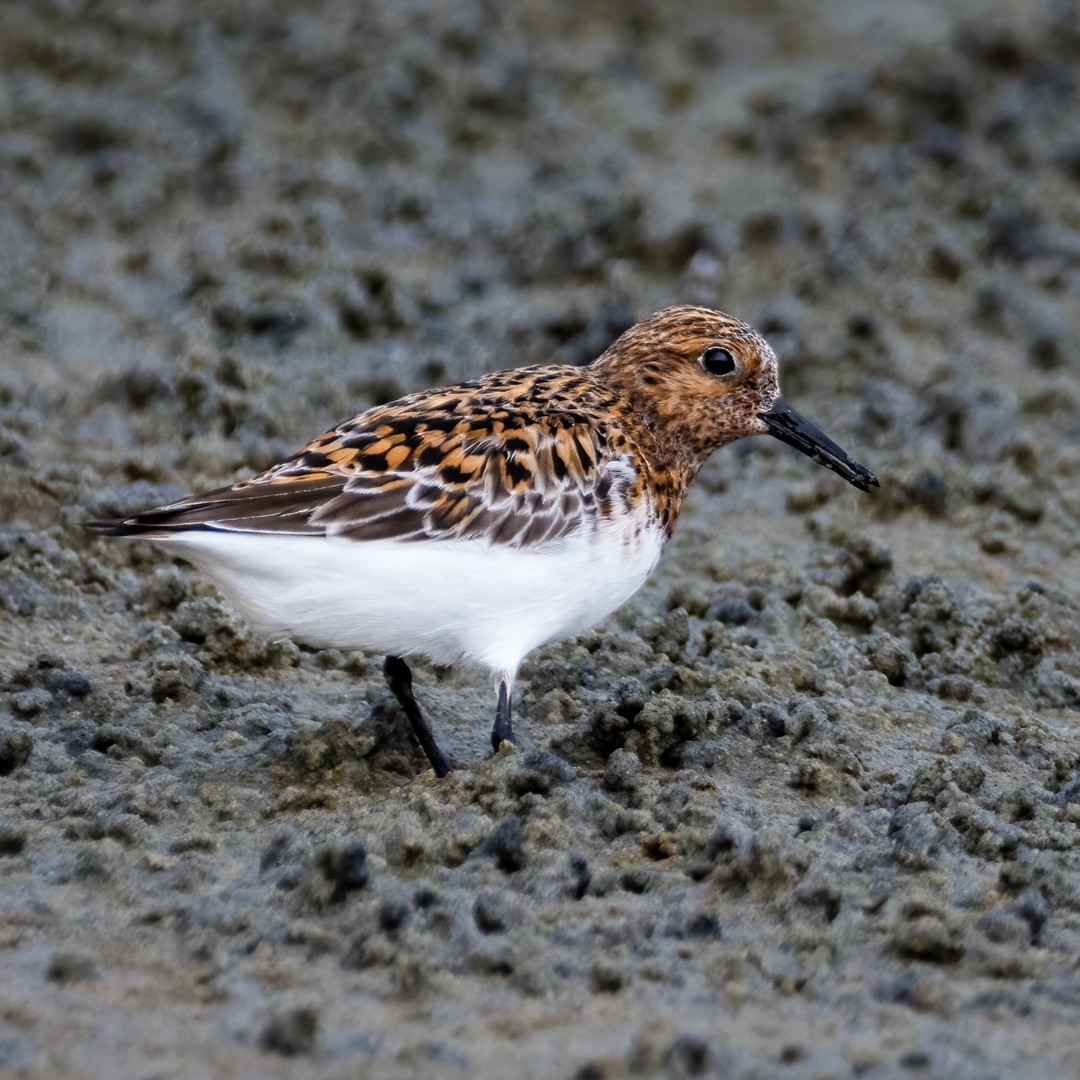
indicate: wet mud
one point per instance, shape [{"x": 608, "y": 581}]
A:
[{"x": 809, "y": 806}]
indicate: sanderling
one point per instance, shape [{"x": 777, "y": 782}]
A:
[{"x": 478, "y": 521}]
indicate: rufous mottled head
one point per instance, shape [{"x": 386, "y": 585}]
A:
[{"x": 704, "y": 379}]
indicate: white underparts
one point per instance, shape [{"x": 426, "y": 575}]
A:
[{"x": 446, "y": 600}]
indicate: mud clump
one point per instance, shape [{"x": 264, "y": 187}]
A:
[{"x": 292, "y": 1033}]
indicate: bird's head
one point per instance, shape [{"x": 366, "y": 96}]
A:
[{"x": 704, "y": 379}]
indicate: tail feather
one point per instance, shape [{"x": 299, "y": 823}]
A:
[
  {"x": 135, "y": 526},
  {"x": 278, "y": 508}
]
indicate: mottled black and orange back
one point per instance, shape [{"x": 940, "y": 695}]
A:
[{"x": 520, "y": 457}]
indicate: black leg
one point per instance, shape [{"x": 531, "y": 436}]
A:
[
  {"x": 503, "y": 731},
  {"x": 399, "y": 679}
]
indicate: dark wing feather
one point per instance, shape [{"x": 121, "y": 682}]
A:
[{"x": 280, "y": 508}]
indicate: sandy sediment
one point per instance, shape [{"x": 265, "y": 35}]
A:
[{"x": 808, "y": 807}]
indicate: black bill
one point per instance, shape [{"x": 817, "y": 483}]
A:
[{"x": 789, "y": 427}]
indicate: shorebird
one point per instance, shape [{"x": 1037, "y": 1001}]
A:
[{"x": 476, "y": 522}]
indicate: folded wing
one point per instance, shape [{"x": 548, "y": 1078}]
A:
[{"x": 417, "y": 471}]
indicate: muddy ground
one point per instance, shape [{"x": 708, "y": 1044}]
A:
[{"x": 809, "y": 806}]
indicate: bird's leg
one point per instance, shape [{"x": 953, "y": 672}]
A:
[
  {"x": 399, "y": 679},
  {"x": 503, "y": 731}
]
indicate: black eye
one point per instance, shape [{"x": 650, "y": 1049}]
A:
[{"x": 717, "y": 361}]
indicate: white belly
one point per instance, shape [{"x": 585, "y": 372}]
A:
[{"x": 446, "y": 600}]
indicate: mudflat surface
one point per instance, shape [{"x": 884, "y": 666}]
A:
[{"x": 809, "y": 806}]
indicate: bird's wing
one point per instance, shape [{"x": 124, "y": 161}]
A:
[{"x": 423, "y": 469}]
